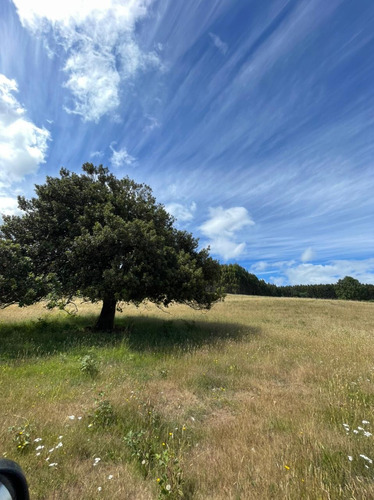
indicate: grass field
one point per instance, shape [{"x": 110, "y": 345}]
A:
[{"x": 258, "y": 398}]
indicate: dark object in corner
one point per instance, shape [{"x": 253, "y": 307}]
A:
[{"x": 13, "y": 485}]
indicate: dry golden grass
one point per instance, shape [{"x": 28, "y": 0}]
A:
[{"x": 262, "y": 389}]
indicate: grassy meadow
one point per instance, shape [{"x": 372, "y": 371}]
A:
[{"x": 258, "y": 398}]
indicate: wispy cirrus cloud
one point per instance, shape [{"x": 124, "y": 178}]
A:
[
  {"x": 152, "y": 124},
  {"x": 221, "y": 46},
  {"x": 120, "y": 157},
  {"x": 97, "y": 154},
  {"x": 222, "y": 228},
  {"x": 99, "y": 42},
  {"x": 23, "y": 145},
  {"x": 307, "y": 255}
]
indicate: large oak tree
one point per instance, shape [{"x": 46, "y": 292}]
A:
[{"x": 104, "y": 239}]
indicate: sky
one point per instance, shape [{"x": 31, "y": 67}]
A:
[{"x": 252, "y": 121}]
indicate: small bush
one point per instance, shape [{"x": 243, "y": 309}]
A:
[
  {"x": 89, "y": 365},
  {"x": 103, "y": 415},
  {"x": 21, "y": 437}
]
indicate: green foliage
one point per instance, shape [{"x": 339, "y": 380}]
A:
[
  {"x": 89, "y": 365},
  {"x": 349, "y": 288},
  {"x": 159, "y": 457},
  {"x": 170, "y": 480},
  {"x": 21, "y": 437},
  {"x": 102, "y": 238},
  {"x": 18, "y": 282},
  {"x": 138, "y": 446},
  {"x": 158, "y": 451},
  {"x": 321, "y": 291},
  {"x": 103, "y": 414},
  {"x": 236, "y": 279}
]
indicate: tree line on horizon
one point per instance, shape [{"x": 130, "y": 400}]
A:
[{"x": 236, "y": 279}]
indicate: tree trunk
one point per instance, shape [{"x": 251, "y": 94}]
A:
[{"x": 105, "y": 321}]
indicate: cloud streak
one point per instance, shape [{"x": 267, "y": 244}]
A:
[{"x": 221, "y": 46}]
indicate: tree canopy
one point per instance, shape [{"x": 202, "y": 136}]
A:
[
  {"x": 349, "y": 288},
  {"x": 236, "y": 279},
  {"x": 104, "y": 239}
]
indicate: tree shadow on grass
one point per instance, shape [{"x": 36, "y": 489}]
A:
[
  {"x": 146, "y": 333},
  {"x": 45, "y": 337}
]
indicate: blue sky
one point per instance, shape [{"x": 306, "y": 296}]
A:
[{"x": 252, "y": 121}]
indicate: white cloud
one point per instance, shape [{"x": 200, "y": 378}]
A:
[
  {"x": 181, "y": 212},
  {"x": 221, "y": 230},
  {"x": 97, "y": 154},
  {"x": 221, "y": 46},
  {"x": 94, "y": 82},
  {"x": 226, "y": 248},
  {"x": 279, "y": 281},
  {"x": 121, "y": 157},
  {"x": 226, "y": 222},
  {"x": 305, "y": 274},
  {"x": 307, "y": 255},
  {"x": 23, "y": 145},
  {"x": 98, "y": 37},
  {"x": 8, "y": 206},
  {"x": 311, "y": 274},
  {"x": 259, "y": 266}
]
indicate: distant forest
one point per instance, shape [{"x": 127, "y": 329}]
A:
[{"x": 236, "y": 279}]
